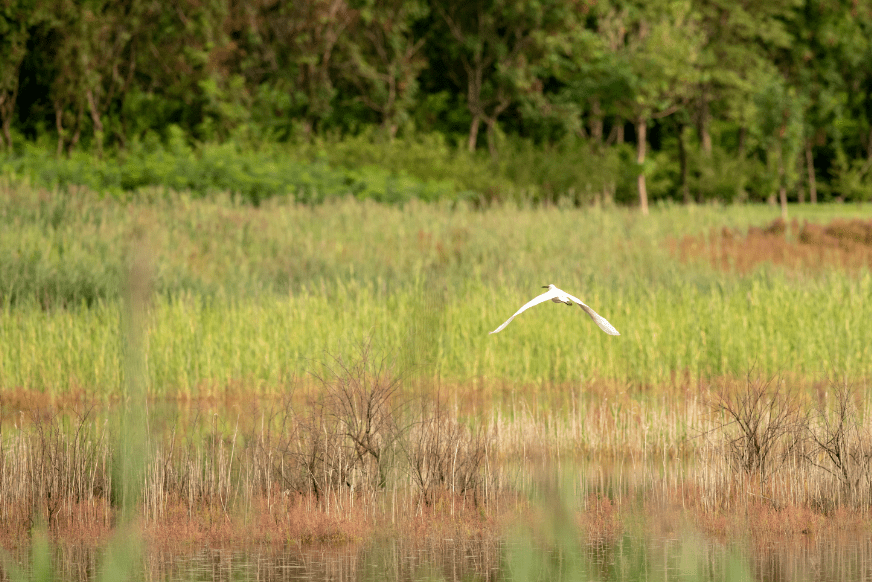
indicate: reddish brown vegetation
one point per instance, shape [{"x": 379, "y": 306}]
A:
[
  {"x": 809, "y": 247},
  {"x": 602, "y": 521},
  {"x": 350, "y": 467},
  {"x": 297, "y": 520}
]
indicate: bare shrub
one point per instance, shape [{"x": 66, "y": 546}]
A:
[
  {"x": 763, "y": 427},
  {"x": 361, "y": 397},
  {"x": 837, "y": 430},
  {"x": 55, "y": 464},
  {"x": 443, "y": 454},
  {"x": 319, "y": 452}
]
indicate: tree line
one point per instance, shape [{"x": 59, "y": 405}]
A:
[{"x": 700, "y": 87}]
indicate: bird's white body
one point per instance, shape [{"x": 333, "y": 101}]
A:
[{"x": 559, "y": 296}]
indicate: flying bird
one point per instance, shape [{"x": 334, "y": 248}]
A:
[{"x": 559, "y": 296}]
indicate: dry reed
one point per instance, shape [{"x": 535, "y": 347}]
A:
[{"x": 366, "y": 457}]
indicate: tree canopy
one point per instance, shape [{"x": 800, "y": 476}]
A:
[{"x": 719, "y": 98}]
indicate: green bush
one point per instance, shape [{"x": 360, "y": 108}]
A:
[
  {"x": 418, "y": 167},
  {"x": 246, "y": 174}
]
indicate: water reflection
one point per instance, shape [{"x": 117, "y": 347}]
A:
[
  {"x": 683, "y": 557},
  {"x": 691, "y": 557},
  {"x": 387, "y": 560}
]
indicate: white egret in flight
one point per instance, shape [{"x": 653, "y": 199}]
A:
[{"x": 558, "y": 296}]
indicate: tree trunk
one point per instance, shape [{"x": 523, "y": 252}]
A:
[
  {"x": 7, "y": 133},
  {"x": 473, "y": 133},
  {"x": 59, "y": 125},
  {"x": 641, "y": 137},
  {"x": 491, "y": 126},
  {"x": 704, "y": 119},
  {"x": 78, "y": 133},
  {"x": 15, "y": 50},
  {"x": 96, "y": 121},
  {"x": 682, "y": 163},
  {"x": 812, "y": 183},
  {"x": 491, "y": 123},
  {"x": 7, "y": 108},
  {"x": 800, "y": 185},
  {"x": 596, "y": 122},
  {"x": 782, "y": 188}
]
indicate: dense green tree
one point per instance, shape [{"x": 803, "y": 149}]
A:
[
  {"x": 186, "y": 71},
  {"x": 779, "y": 126},
  {"x": 492, "y": 48},
  {"x": 287, "y": 52},
  {"x": 658, "y": 43},
  {"x": 779, "y": 93},
  {"x": 741, "y": 39},
  {"x": 385, "y": 57},
  {"x": 831, "y": 66},
  {"x": 591, "y": 74},
  {"x": 99, "y": 57},
  {"x": 16, "y": 18}
]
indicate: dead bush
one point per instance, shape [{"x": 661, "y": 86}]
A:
[
  {"x": 763, "y": 425},
  {"x": 443, "y": 454},
  {"x": 361, "y": 403},
  {"x": 837, "y": 430},
  {"x": 57, "y": 462}
]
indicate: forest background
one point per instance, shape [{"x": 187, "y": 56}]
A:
[{"x": 489, "y": 100}]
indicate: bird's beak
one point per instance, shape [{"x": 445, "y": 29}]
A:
[{"x": 544, "y": 286}]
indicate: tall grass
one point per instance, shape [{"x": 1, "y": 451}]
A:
[
  {"x": 251, "y": 297},
  {"x": 196, "y": 344}
]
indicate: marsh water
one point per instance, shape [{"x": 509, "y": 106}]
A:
[{"x": 684, "y": 556}]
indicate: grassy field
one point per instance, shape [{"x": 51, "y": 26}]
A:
[{"x": 249, "y": 298}]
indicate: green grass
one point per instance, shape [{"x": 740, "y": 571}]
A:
[
  {"x": 256, "y": 296},
  {"x": 766, "y": 324}
]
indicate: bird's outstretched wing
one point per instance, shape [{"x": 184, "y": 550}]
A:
[
  {"x": 598, "y": 319},
  {"x": 534, "y": 301}
]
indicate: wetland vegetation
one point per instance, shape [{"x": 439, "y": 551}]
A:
[
  {"x": 203, "y": 372},
  {"x": 250, "y": 253}
]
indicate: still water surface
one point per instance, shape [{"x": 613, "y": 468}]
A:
[{"x": 685, "y": 557}]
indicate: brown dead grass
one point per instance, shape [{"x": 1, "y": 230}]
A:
[
  {"x": 761, "y": 523},
  {"x": 293, "y": 523},
  {"x": 810, "y": 247},
  {"x": 304, "y": 523},
  {"x": 84, "y": 523},
  {"x": 205, "y": 510},
  {"x": 299, "y": 521}
]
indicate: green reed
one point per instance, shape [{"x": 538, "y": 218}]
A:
[
  {"x": 768, "y": 323},
  {"x": 255, "y": 297}
]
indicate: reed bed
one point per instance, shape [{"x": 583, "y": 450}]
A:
[
  {"x": 204, "y": 369},
  {"x": 252, "y": 296},
  {"x": 361, "y": 455},
  {"x": 195, "y": 345}
]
